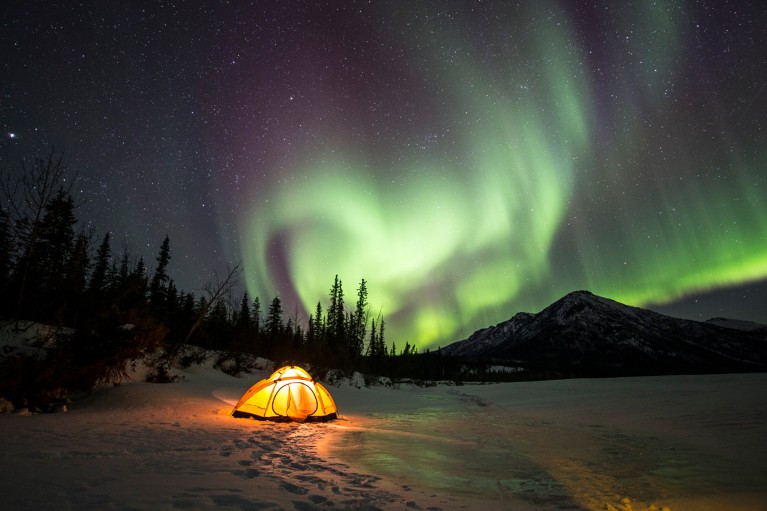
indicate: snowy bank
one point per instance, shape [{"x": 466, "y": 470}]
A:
[{"x": 689, "y": 443}]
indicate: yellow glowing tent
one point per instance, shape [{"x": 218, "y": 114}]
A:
[{"x": 289, "y": 393}]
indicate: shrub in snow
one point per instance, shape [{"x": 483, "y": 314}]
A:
[
  {"x": 161, "y": 373},
  {"x": 334, "y": 377},
  {"x": 67, "y": 361},
  {"x": 377, "y": 381},
  {"x": 6, "y": 406},
  {"x": 235, "y": 363},
  {"x": 105, "y": 354},
  {"x": 264, "y": 364},
  {"x": 191, "y": 355}
]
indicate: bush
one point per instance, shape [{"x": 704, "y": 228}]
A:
[
  {"x": 77, "y": 362},
  {"x": 234, "y": 363},
  {"x": 192, "y": 355}
]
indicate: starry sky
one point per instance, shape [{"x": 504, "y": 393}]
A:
[{"x": 469, "y": 159}]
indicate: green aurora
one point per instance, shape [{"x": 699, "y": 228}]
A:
[{"x": 545, "y": 162}]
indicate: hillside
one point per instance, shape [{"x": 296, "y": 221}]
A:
[{"x": 586, "y": 334}]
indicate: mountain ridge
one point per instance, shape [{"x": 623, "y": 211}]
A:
[{"x": 583, "y": 333}]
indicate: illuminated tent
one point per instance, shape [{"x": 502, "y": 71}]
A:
[{"x": 289, "y": 393}]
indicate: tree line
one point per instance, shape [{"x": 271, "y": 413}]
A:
[
  {"x": 120, "y": 308},
  {"x": 53, "y": 272}
]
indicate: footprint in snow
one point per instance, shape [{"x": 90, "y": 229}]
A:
[
  {"x": 248, "y": 473},
  {"x": 318, "y": 499},
  {"x": 292, "y": 488},
  {"x": 240, "y": 444}
]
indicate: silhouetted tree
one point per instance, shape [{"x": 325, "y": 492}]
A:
[
  {"x": 47, "y": 261},
  {"x": 273, "y": 324},
  {"x": 242, "y": 331},
  {"x": 134, "y": 295},
  {"x": 315, "y": 333},
  {"x": 217, "y": 291},
  {"x": 172, "y": 304},
  {"x": 217, "y": 324},
  {"x": 256, "y": 319},
  {"x": 101, "y": 264},
  {"x": 6, "y": 251},
  {"x": 380, "y": 339},
  {"x": 75, "y": 278},
  {"x": 158, "y": 287},
  {"x": 26, "y": 201},
  {"x": 334, "y": 325},
  {"x": 244, "y": 316},
  {"x": 377, "y": 346},
  {"x": 119, "y": 277},
  {"x": 359, "y": 322}
]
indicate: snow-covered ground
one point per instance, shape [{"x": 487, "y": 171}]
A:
[{"x": 687, "y": 442}]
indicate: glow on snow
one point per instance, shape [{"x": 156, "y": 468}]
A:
[{"x": 508, "y": 217}]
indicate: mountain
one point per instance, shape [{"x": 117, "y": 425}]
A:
[
  {"x": 737, "y": 324},
  {"x": 588, "y": 335}
]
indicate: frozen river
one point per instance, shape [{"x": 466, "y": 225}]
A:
[
  {"x": 686, "y": 442},
  {"x": 690, "y": 443}
]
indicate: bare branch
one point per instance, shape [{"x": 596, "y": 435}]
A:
[
  {"x": 38, "y": 185},
  {"x": 216, "y": 290}
]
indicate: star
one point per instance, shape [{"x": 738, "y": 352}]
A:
[{"x": 484, "y": 161}]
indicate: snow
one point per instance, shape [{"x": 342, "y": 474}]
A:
[
  {"x": 684, "y": 442},
  {"x": 27, "y": 338},
  {"x": 736, "y": 324}
]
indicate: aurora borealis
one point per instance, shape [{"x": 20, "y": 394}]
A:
[{"x": 468, "y": 159}]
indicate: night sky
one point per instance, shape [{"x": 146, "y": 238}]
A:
[{"x": 469, "y": 159}]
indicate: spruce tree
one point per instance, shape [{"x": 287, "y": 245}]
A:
[
  {"x": 135, "y": 293},
  {"x": 316, "y": 334},
  {"x": 256, "y": 321},
  {"x": 53, "y": 248},
  {"x": 332, "y": 308},
  {"x": 336, "y": 320},
  {"x": 319, "y": 324},
  {"x": 373, "y": 344},
  {"x": 274, "y": 319},
  {"x": 201, "y": 307},
  {"x": 157, "y": 289},
  {"x": 39, "y": 184},
  {"x": 218, "y": 325},
  {"x": 6, "y": 249},
  {"x": 74, "y": 281},
  {"x": 381, "y": 340},
  {"x": 172, "y": 301},
  {"x": 57, "y": 231},
  {"x": 359, "y": 320},
  {"x": 100, "y": 266},
  {"x": 244, "y": 318},
  {"x": 187, "y": 308},
  {"x": 340, "y": 316},
  {"x": 123, "y": 272}
]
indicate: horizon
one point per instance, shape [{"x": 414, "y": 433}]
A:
[{"x": 468, "y": 161}]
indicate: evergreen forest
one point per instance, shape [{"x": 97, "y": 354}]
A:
[{"x": 112, "y": 308}]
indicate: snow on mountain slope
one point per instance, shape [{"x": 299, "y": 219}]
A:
[
  {"x": 583, "y": 333},
  {"x": 737, "y": 324}
]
